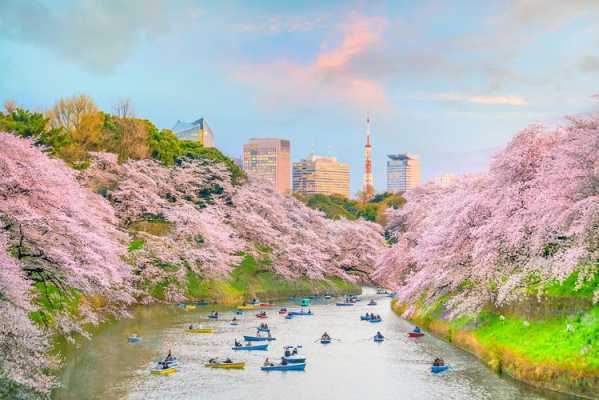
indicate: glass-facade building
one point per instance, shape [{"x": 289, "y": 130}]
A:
[
  {"x": 269, "y": 159},
  {"x": 197, "y": 131},
  {"x": 321, "y": 175},
  {"x": 403, "y": 172}
]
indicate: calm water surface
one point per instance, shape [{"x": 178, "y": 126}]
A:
[{"x": 107, "y": 367}]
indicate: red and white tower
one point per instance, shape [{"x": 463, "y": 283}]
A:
[{"x": 368, "y": 185}]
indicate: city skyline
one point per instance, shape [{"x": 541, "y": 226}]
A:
[{"x": 450, "y": 82}]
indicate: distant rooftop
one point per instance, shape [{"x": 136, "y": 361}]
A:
[{"x": 403, "y": 156}]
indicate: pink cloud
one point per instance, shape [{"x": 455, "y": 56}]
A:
[{"x": 329, "y": 77}]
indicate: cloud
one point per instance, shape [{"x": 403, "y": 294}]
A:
[
  {"x": 99, "y": 35},
  {"x": 589, "y": 64},
  {"x": 330, "y": 77},
  {"x": 480, "y": 99},
  {"x": 280, "y": 24}
]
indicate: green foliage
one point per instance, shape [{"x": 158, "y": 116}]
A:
[
  {"x": 159, "y": 289},
  {"x": 336, "y": 206},
  {"x": 23, "y": 123},
  {"x": 136, "y": 244},
  {"x": 164, "y": 146},
  {"x": 51, "y": 299}
]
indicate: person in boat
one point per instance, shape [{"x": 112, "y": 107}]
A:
[
  {"x": 212, "y": 361},
  {"x": 417, "y": 330},
  {"x": 287, "y": 352},
  {"x": 258, "y": 334},
  {"x": 438, "y": 362},
  {"x": 309, "y": 311},
  {"x": 269, "y": 334},
  {"x": 379, "y": 335},
  {"x": 228, "y": 361},
  {"x": 294, "y": 352},
  {"x": 283, "y": 361},
  {"x": 267, "y": 363},
  {"x": 234, "y": 319},
  {"x": 325, "y": 336},
  {"x": 237, "y": 343}
]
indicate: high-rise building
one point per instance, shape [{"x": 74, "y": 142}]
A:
[
  {"x": 321, "y": 175},
  {"x": 445, "y": 179},
  {"x": 198, "y": 131},
  {"x": 368, "y": 185},
  {"x": 403, "y": 172},
  {"x": 269, "y": 159}
]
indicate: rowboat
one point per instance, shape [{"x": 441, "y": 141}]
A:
[
  {"x": 134, "y": 339},
  {"x": 258, "y": 338},
  {"x": 436, "y": 369},
  {"x": 372, "y": 303},
  {"x": 213, "y": 316},
  {"x": 325, "y": 341},
  {"x": 344, "y": 304},
  {"x": 295, "y": 359},
  {"x": 261, "y": 316},
  {"x": 365, "y": 318},
  {"x": 281, "y": 367},
  {"x": 266, "y": 305},
  {"x": 288, "y": 316},
  {"x": 200, "y": 330},
  {"x": 202, "y": 303},
  {"x": 234, "y": 323},
  {"x": 374, "y": 321},
  {"x": 262, "y": 329},
  {"x": 283, "y": 311},
  {"x": 253, "y": 347},
  {"x": 378, "y": 338},
  {"x": 294, "y": 313},
  {"x": 224, "y": 365},
  {"x": 247, "y": 307},
  {"x": 415, "y": 334},
  {"x": 164, "y": 371},
  {"x": 190, "y": 307}
]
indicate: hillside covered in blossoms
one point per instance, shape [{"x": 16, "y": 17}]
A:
[{"x": 86, "y": 234}]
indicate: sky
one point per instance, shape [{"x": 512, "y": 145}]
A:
[{"x": 451, "y": 81}]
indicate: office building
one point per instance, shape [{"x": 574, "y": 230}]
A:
[
  {"x": 403, "y": 172},
  {"x": 269, "y": 159},
  {"x": 321, "y": 175},
  {"x": 198, "y": 131}
]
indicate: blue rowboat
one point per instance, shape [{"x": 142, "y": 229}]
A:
[
  {"x": 234, "y": 323},
  {"x": 258, "y": 338},
  {"x": 253, "y": 347},
  {"x": 378, "y": 338},
  {"x": 325, "y": 341},
  {"x": 289, "y": 316},
  {"x": 134, "y": 339},
  {"x": 202, "y": 303},
  {"x": 437, "y": 369},
  {"x": 288, "y": 367},
  {"x": 364, "y": 318},
  {"x": 300, "y": 313},
  {"x": 213, "y": 316},
  {"x": 295, "y": 359},
  {"x": 239, "y": 312},
  {"x": 344, "y": 304},
  {"x": 374, "y": 321}
]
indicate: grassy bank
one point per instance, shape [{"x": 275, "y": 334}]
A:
[
  {"x": 253, "y": 279},
  {"x": 559, "y": 353}
]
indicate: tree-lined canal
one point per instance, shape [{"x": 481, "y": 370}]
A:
[{"x": 107, "y": 367}]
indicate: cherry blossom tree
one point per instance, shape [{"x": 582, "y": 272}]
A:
[{"x": 534, "y": 214}]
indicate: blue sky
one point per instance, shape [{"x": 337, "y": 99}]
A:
[{"x": 450, "y": 81}]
